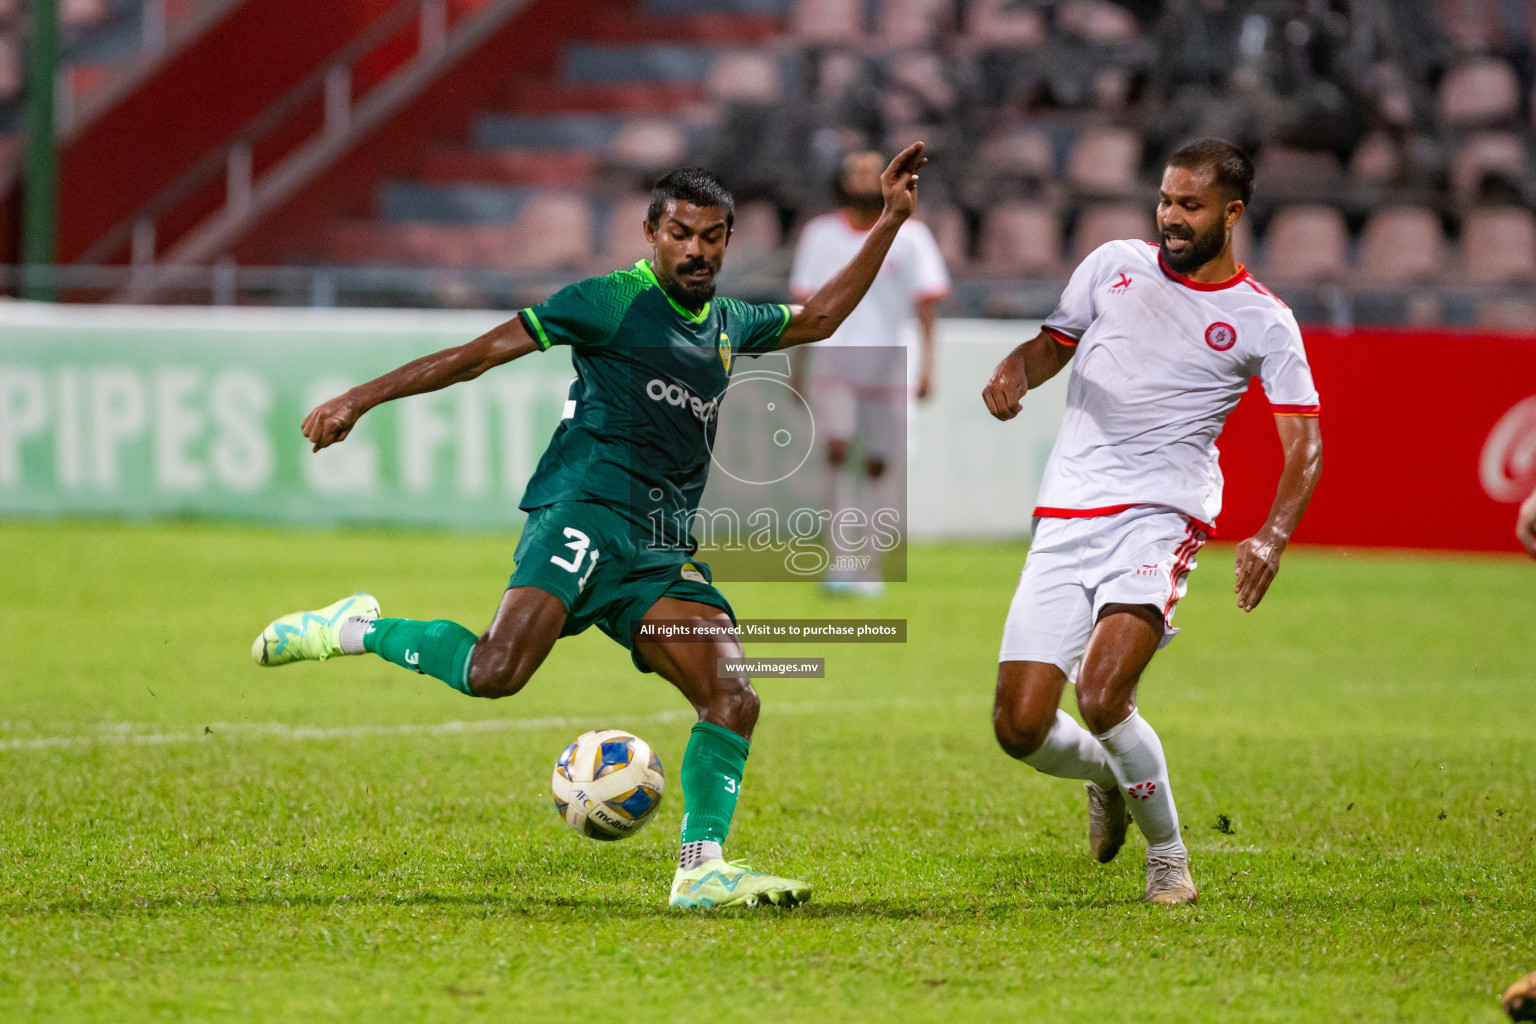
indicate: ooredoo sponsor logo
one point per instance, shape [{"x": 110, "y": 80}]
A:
[
  {"x": 1507, "y": 468},
  {"x": 677, "y": 395}
]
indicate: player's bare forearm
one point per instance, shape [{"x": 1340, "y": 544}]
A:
[
  {"x": 825, "y": 311},
  {"x": 331, "y": 422},
  {"x": 1258, "y": 557},
  {"x": 1028, "y": 366},
  {"x": 927, "y": 320}
]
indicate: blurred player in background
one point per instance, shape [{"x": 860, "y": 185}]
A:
[
  {"x": 1163, "y": 340},
  {"x": 653, "y": 352},
  {"x": 864, "y": 404}
]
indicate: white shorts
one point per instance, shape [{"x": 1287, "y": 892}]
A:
[
  {"x": 1077, "y": 566},
  {"x": 877, "y": 416}
]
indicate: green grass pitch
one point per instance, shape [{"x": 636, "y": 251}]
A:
[{"x": 186, "y": 837}]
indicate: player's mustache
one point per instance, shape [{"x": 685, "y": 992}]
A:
[
  {"x": 1184, "y": 233},
  {"x": 689, "y": 266}
]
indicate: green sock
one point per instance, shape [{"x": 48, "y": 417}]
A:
[
  {"x": 440, "y": 649},
  {"x": 711, "y": 776}
]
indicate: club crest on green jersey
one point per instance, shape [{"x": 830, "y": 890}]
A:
[{"x": 725, "y": 351}]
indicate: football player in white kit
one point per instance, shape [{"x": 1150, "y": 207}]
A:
[
  {"x": 855, "y": 395},
  {"x": 1163, "y": 340}
]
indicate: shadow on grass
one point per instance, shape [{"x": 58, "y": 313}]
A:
[{"x": 513, "y": 905}]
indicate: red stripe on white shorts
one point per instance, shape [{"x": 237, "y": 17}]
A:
[{"x": 1194, "y": 540}]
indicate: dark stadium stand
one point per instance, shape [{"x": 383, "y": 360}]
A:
[{"x": 1393, "y": 142}]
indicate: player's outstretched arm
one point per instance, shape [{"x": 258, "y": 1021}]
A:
[
  {"x": 1258, "y": 557},
  {"x": 1028, "y": 366},
  {"x": 824, "y": 312},
  {"x": 331, "y": 422}
]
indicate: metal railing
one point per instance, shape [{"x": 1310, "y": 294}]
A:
[
  {"x": 331, "y": 84},
  {"x": 1508, "y": 307}
]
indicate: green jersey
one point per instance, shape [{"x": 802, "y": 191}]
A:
[{"x": 641, "y": 414}]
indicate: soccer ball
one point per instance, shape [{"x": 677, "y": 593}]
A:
[{"x": 607, "y": 784}]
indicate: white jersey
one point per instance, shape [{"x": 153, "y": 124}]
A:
[
  {"x": 1161, "y": 360},
  {"x": 913, "y": 271}
]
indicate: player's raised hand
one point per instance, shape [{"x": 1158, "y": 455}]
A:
[
  {"x": 1009, "y": 384},
  {"x": 330, "y": 422},
  {"x": 899, "y": 181},
  {"x": 1258, "y": 560}
]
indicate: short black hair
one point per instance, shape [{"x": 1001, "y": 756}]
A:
[
  {"x": 1232, "y": 168},
  {"x": 691, "y": 185}
]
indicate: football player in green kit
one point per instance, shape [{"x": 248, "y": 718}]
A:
[{"x": 653, "y": 349}]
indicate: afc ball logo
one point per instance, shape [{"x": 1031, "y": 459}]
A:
[
  {"x": 1507, "y": 468},
  {"x": 1221, "y": 336}
]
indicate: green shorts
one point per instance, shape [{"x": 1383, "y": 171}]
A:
[{"x": 597, "y": 563}]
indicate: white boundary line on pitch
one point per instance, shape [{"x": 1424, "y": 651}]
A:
[{"x": 123, "y": 734}]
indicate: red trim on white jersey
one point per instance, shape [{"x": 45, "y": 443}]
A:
[
  {"x": 1049, "y": 512},
  {"x": 1200, "y": 286},
  {"x": 847, "y": 218},
  {"x": 1060, "y": 337},
  {"x": 1253, "y": 282},
  {"x": 1297, "y": 410}
]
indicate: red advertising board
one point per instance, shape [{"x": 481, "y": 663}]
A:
[{"x": 1429, "y": 441}]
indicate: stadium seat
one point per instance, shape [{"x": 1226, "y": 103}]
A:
[
  {"x": 82, "y": 13},
  {"x": 828, "y": 21},
  {"x": 1100, "y": 224},
  {"x": 1480, "y": 93},
  {"x": 913, "y": 22},
  {"x": 745, "y": 77},
  {"x": 924, "y": 74},
  {"x": 1376, "y": 160},
  {"x": 1306, "y": 243},
  {"x": 1104, "y": 162},
  {"x": 757, "y": 230},
  {"x": 1244, "y": 249},
  {"x": 1403, "y": 243},
  {"x": 1507, "y": 313},
  {"x": 11, "y": 74},
  {"x": 648, "y": 145},
  {"x": 1498, "y": 245},
  {"x": 555, "y": 230},
  {"x": 837, "y": 72},
  {"x": 622, "y": 239},
  {"x": 1098, "y": 20},
  {"x": 1470, "y": 24},
  {"x": 1481, "y": 154},
  {"x": 1021, "y": 240},
  {"x": 1297, "y": 174},
  {"x": 949, "y": 229},
  {"x": 1025, "y": 153},
  {"x": 1006, "y": 24}
]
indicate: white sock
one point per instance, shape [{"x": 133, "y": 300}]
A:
[
  {"x": 351, "y": 636},
  {"x": 696, "y": 853},
  {"x": 879, "y": 493},
  {"x": 1136, "y": 756},
  {"x": 1071, "y": 752},
  {"x": 843, "y": 496}
]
